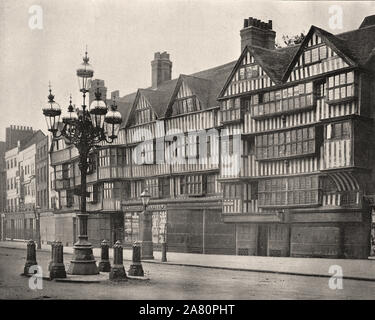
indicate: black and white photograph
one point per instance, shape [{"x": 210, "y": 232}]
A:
[{"x": 203, "y": 152}]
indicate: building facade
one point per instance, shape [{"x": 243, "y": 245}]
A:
[
  {"x": 3, "y": 187},
  {"x": 304, "y": 115},
  {"x": 19, "y": 219},
  {"x": 267, "y": 155},
  {"x": 15, "y": 133}
]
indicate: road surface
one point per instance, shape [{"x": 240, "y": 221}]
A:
[{"x": 176, "y": 282}]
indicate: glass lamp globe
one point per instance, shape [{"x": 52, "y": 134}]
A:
[
  {"x": 85, "y": 72},
  {"x": 113, "y": 120},
  {"x": 52, "y": 113},
  {"x": 98, "y": 110}
]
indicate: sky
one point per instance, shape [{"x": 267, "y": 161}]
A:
[{"x": 122, "y": 37}]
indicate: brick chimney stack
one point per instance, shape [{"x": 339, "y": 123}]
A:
[
  {"x": 161, "y": 69},
  {"x": 97, "y": 83},
  {"x": 257, "y": 33}
]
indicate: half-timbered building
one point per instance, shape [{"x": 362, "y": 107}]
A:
[
  {"x": 304, "y": 114},
  {"x": 267, "y": 155}
]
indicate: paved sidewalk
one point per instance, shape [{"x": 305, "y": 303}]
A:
[{"x": 352, "y": 269}]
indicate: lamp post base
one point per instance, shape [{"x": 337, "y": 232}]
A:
[
  {"x": 83, "y": 262},
  {"x": 136, "y": 270},
  {"x": 147, "y": 250}
]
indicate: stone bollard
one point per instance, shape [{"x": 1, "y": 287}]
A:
[
  {"x": 164, "y": 252},
  {"x": 57, "y": 269},
  {"x": 117, "y": 270},
  {"x": 52, "y": 255},
  {"x": 30, "y": 257},
  {"x": 104, "y": 264},
  {"x": 136, "y": 266}
]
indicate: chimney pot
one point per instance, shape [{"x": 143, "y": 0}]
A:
[
  {"x": 262, "y": 35},
  {"x": 161, "y": 69},
  {"x": 245, "y": 23}
]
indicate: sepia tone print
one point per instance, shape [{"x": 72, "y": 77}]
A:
[{"x": 255, "y": 162}]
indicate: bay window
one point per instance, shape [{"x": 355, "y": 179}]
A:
[
  {"x": 295, "y": 142},
  {"x": 341, "y": 87},
  {"x": 291, "y": 191},
  {"x": 287, "y": 100}
]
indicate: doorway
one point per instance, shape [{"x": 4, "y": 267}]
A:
[{"x": 262, "y": 240}]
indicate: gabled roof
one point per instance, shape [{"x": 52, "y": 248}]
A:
[
  {"x": 356, "y": 47},
  {"x": 360, "y": 42},
  {"x": 368, "y": 21},
  {"x": 157, "y": 99},
  {"x": 335, "y": 43},
  {"x": 199, "y": 86},
  {"x": 274, "y": 62},
  {"x": 206, "y": 85},
  {"x": 124, "y": 105}
]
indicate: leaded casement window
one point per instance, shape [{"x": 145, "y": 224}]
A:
[
  {"x": 137, "y": 188},
  {"x": 338, "y": 130},
  {"x": 144, "y": 116},
  {"x": 153, "y": 187},
  {"x": 249, "y": 72},
  {"x": 291, "y": 191},
  {"x": 284, "y": 144},
  {"x": 112, "y": 157},
  {"x": 231, "y": 110},
  {"x": 232, "y": 191},
  {"x": 211, "y": 184},
  {"x": 193, "y": 185},
  {"x": 315, "y": 54},
  {"x": 186, "y": 105},
  {"x": 92, "y": 189},
  {"x": 66, "y": 198},
  {"x": 284, "y": 101},
  {"x": 164, "y": 187},
  {"x": 250, "y": 194},
  {"x": 341, "y": 87},
  {"x": 158, "y": 187},
  {"x": 116, "y": 190},
  {"x": 65, "y": 171}
]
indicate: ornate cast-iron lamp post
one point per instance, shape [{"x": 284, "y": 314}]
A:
[
  {"x": 147, "y": 250},
  {"x": 84, "y": 128}
]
